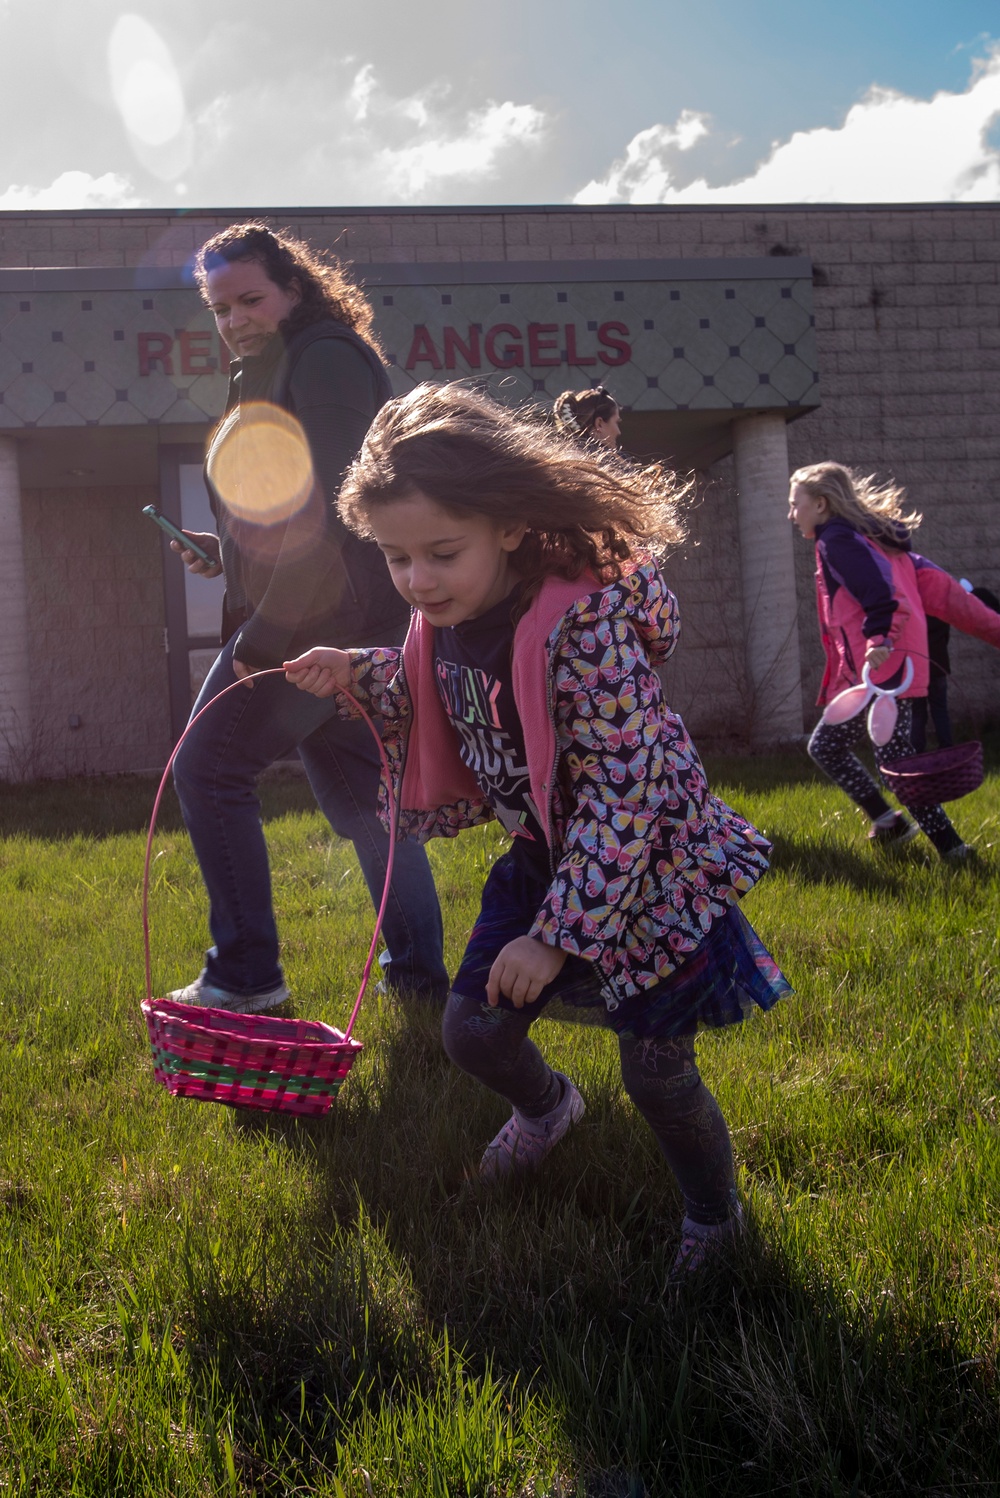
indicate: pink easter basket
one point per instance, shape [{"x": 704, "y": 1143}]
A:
[{"x": 252, "y": 1060}]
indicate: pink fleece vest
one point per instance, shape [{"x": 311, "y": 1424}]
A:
[{"x": 434, "y": 774}]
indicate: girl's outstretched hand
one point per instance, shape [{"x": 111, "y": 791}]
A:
[
  {"x": 320, "y": 670},
  {"x": 522, "y": 970}
]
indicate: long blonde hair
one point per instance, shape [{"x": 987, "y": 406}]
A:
[
  {"x": 875, "y": 509},
  {"x": 585, "y": 509}
]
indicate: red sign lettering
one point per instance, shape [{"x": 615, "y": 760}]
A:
[
  {"x": 572, "y": 357},
  {"x": 511, "y": 354},
  {"x": 155, "y": 349},
  {"x": 538, "y": 343},
  {"x": 196, "y": 355},
  {"x": 505, "y": 346},
  {"x": 453, "y": 345},
  {"x": 623, "y": 351},
  {"x": 422, "y": 350}
]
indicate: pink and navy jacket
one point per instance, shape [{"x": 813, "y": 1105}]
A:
[
  {"x": 643, "y": 858},
  {"x": 865, "y": 592}
]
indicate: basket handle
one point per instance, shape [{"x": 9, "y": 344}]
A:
[{"x": 247, "y": 681}]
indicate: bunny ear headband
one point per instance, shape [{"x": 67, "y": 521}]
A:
[{"x": 883, "y": 712}]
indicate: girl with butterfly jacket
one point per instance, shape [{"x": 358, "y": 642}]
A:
[{"x": 527, "y": 690}]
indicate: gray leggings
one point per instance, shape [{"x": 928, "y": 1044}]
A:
[{"x": 660, "y": 1075}]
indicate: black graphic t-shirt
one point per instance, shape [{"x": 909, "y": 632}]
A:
[{"x": 472, "y": 664}]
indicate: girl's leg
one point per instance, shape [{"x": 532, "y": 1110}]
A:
[
  {"x": 661, "y": 1077},
  {"x": 831, "y": 747},
  {"x": 933, "y": 820},
  {"x": 492, "y": 1045}
]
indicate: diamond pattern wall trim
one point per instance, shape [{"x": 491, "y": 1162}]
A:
[{"x": 126, "y": 357}]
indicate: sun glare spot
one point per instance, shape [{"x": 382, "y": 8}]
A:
[
  {"x": 145, "y": 82},
  {"x": 260, "y": 464}
]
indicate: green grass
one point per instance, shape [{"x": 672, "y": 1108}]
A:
[{"x": 198, "y": 1302}]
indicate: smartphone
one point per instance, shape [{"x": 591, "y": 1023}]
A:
[{"x": 176, "y": 534}]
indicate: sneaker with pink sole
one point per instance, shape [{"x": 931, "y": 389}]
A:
[
  {"x": 523, "y": 1143},
  {"x": 700, "y": 1242}
]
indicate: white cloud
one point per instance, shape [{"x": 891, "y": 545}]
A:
[
  {"x": 470, "y": 152},
  {"x": 364, "y": 143},
  {"x": 75, "y": 190},
  {"x": 361, "y": 91},
  {"x": 890, "y": 149},
  {"x": 643, "y": 174}
]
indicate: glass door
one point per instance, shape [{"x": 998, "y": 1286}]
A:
[{"x": 193, "y": 604}]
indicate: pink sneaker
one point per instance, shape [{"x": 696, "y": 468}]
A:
[
  {"x": 523, "y": 1143},
  {"x": 700, "y": 1242}
]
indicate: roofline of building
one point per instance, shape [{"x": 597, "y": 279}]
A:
[
  {"x": 430, "y": 273},
  {"x": 409, "y": 211}
]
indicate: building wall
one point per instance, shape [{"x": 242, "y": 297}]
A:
[
  {"x": 95, "y": 601},
  {"x": 907, "y": 304}
]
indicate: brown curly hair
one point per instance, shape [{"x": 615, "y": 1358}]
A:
[
  {"x": 575, "y": 411},
  {"x": 585, "y": 509},
  {"x": 320, "y": 278}
]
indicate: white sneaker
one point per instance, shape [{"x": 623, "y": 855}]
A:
[
  {"x": 209, "y": 997},
  {"x": 523, "y": 1143}
]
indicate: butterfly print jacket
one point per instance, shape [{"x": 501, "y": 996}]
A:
[{"x": 644, "y": 859}]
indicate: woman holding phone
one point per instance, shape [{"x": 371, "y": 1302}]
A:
[{"x": 301, "y": 339}]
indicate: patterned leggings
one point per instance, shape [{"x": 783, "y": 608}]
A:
[
  {"x": 831, "y": 747},
  {"x": 660, "y": 1076}
]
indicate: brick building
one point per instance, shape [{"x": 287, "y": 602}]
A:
[{"x": 740, "y": 342}]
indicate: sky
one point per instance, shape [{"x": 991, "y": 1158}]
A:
[{"x": 301, "y": 103}]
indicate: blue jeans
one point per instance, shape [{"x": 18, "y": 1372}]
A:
[
  {"x": 216, "y": 774},
  {"x": 937, "y": 701}
]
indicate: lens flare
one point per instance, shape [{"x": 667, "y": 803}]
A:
[{"x": 260, "y": 464}]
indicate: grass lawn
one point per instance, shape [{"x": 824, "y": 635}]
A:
[{"x": 200, "y": 1302}]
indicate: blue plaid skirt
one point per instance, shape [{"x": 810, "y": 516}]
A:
[{"x": 729, "y": 974}]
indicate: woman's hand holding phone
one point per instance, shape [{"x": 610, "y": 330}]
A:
[{"x": 192, "y": 560}]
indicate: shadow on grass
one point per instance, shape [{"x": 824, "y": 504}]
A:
[
  {"x": 110, "y": 805},
  {"x": 824, "y": 860},
  {"x": 758, "y": 774},
  {"x": 752, "y": 1380}
]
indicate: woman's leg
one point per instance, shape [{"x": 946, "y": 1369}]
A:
[
  {"x": 215, "y": 775},
  {"x": 937, "y": 701},
  {"x": 661, "y": 1077},
  {"x": 342, "y": 763}
]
